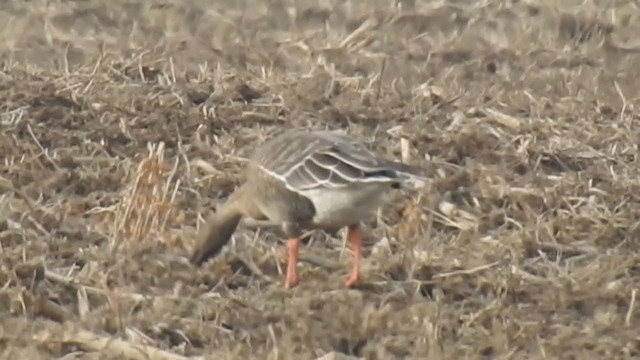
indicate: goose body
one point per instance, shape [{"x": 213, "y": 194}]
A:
[{"x": 306, "y": 180}]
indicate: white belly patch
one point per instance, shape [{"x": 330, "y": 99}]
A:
[{"x": 342, "y": 207}]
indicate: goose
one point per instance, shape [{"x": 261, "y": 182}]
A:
[{"x": 305, "y": 180}]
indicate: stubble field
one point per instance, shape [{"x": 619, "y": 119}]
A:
[{"x": 124, "y": 123}]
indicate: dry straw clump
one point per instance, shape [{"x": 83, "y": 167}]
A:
[{"x": 146, "y": 207}]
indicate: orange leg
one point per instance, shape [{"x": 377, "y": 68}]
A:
[
  {"x": 292, "y": 278},
  {"x": 354, "y": 236}
]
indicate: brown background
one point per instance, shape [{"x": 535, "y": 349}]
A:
[{"x": 524, "y": 245}]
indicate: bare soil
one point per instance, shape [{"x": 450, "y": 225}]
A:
[{"x": 523, "y": 246}]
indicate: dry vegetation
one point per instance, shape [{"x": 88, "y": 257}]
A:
[{"x": 125, "y": 122}]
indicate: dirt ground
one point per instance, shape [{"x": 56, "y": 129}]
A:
[{"x": 125, "y": 122}]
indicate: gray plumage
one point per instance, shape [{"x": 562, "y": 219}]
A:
[{"x": 307, "y": 160}]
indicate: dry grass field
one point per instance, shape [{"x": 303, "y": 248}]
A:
[{"x": 124, "y": 123}]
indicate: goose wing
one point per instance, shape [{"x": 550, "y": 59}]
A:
[{"x": 324, "y": 159}]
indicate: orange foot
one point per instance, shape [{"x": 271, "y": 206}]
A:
[
  {"x": 291, "y": 281},
  {"x": 353, "y": 280},
  {"x": 354, "y": 236},
  {"x": 292, "y": 278}
]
